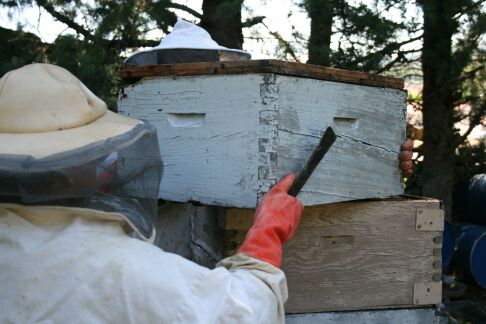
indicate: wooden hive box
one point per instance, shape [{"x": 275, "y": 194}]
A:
[
  {"x": 359, "y": 255},
  {"x": 228, "y": 131}
]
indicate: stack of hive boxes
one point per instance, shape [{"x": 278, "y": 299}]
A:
[{"x": 228, "y": 131}]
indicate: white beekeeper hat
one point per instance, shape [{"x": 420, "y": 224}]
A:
[
  {"x": 60, "y": 145},
  {"x": 186, "y": 43},
  {"x": 188, "y": 35},
  {"x": 44, "y": 110}
]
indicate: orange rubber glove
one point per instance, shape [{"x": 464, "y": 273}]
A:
[{"x": 276, "y": 219}]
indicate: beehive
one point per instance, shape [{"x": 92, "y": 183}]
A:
[
  {"x": 228, "y": 131},
  {"x": 345, "y": 256},
  {"x": 360, "y": 255}
]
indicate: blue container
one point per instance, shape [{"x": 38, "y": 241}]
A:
[
  {"x": 448, "y": 244},
  {"x": 476, "y": 199},
  {"x": 471, "y": 253}
]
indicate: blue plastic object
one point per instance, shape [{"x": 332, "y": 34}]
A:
[
  {"x": 471, "y": 253},
  {"x": 448, "y": 244}
]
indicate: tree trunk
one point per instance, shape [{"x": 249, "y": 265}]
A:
[
  {"x": 222, "y": 20},
  {"x": 320, "y": 13},
  {"x": 438, "y": 167}
]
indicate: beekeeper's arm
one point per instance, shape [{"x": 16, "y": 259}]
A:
[
  {"x": 276, "y": 219},
  {"x": 248, "y": 287}
]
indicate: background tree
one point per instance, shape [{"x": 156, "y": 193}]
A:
[
  {"x": 222, "y": 20},
  {"x": 321, "y": 14},
  {"x": 103, "y": 30},
  {"x": 366, "y": 39},
  {"x": 106, "y": 29},
  {"x": 445, "y": 69},
  {"x": 19, "y": 48}
]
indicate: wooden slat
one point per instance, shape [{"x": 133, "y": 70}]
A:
[
  {"x": 354, "y": 255},
  {"x": 130, "y": 74}
]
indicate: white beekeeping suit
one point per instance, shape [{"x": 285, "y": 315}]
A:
[{"x": 78, "y": 193}]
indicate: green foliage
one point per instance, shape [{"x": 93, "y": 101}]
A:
[
  {"x": 366, "y": 39},
  {"x": 94, "y": 65},
  {"x": 19, "y": 48},
  {"x": 104, "y": 30},
  {"x": 469, "y": 72},
  {"x": 163, "y": 18},
  {"x": 471, "y": 160}
]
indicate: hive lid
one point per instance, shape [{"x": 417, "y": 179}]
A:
[{"x": 131, "y": 74}]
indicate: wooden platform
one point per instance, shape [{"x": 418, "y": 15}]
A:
[{"x": 228, "y": 131}]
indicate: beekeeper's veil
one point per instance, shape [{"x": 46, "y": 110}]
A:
[{"x": 59, "y": 145}]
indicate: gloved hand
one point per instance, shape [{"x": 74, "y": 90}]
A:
[
  {"x": 405, "y": 158},
  {"x": 275, "y": 222}
]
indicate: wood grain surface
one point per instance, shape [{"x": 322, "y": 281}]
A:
[
  {"x": 354, "y": 255},
  {"x": 226, "y": 139},
  {"x": 131, "y": 73}
]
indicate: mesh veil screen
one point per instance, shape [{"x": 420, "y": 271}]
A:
[{"x": 121, "y": 174}]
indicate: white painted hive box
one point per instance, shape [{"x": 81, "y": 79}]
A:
[{"x": 228, "y": 131}]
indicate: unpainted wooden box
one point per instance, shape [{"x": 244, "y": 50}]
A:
[
  {"x": 228, "y": 131},
  {"x": 359, "y": 255}
]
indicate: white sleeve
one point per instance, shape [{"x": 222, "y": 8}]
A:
[
  {"x": 240, "y": 289},
  {"x": 270, "y": 285}
]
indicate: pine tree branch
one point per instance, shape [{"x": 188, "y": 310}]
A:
[
  {"x": 65, "y": 20},
  {"x": 400, "y": 58},
  {"x": 413, "y": 75},
  {"x": 470, "y": 74},
  {"x": 252, "y": 21},
  {"x": 89, "y": 36},
  {"x": 131, "y": 43},
  {"x": 474, "y": 120},
  {"x": 465, "y": 11},
  {"x": 389, "y": 65},
  {"x": 390, "y": 5},
  {"x": 392, "y": 47},
  {"x": 287, "y": 46},
  {"x": 466, "y": 100},
  {"x": 184, "y": 8}
]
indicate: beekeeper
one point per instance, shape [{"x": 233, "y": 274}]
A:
[{"x": 75, "y": 228}]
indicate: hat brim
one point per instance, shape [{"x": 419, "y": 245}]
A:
[
  {"x": 213, "y": 48},
  {"x": 43, "y": 144}
]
